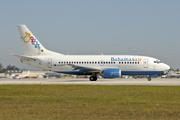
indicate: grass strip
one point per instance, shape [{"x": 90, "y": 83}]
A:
[{"x": 89, "y": 102}]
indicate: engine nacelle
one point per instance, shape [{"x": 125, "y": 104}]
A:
[{"x": 111, "y": 73}]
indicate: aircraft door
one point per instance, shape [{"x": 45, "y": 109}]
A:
[
  {"x": 145, "y": 63},
  {"x": 49, "y": 63}
]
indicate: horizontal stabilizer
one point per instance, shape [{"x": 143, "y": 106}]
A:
[{"x": 24, "y": 57}]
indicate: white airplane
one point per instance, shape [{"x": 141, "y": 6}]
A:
[
  {"x": 107, "y": 66},
  {"x": 49, "y": 75},
  {"x": 3, "y": 76},
  {"x": 21, "y": 76},
  {"x": 8, "y": 76},
  {"x": 172, "y": 75}
]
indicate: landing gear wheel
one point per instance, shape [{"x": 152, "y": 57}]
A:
[
  {"x": 149, "y": 79},
  {"x": 93, "y": 78}
]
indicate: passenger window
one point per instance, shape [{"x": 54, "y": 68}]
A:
[
  {"x": 124, "y": 62},
  {"x": 127, "y": 62},
  {"x": 92, "y": 62},
  {"x": 79, "y": 62}
]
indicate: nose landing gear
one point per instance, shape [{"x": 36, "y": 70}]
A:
[{"x": 149, "y": 78}]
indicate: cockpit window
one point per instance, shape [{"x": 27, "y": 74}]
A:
[{"x": 157, "y": 61}]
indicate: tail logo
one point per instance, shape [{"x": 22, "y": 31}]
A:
[
  {"x": 34, "y": 42},
  {"x": 26, "y": 38}
]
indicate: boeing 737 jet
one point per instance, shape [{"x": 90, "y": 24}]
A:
[{"x": 107, "y": 66}]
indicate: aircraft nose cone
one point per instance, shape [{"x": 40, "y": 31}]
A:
[{"x": 167, "y": 67}]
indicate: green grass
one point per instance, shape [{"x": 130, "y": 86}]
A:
[{"x": 27, "y": 102}]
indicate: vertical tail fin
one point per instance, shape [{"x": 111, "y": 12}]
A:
[{"x": 31, "y": 45}]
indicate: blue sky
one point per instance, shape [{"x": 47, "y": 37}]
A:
[{"x": 77, "y": 27}]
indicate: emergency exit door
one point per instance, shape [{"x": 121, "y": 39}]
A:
[
  {"x": 49, "y": 63},
  {"x": 145, "y": 63}
]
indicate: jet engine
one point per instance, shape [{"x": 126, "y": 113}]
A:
[{"x": 111, "y": 73}]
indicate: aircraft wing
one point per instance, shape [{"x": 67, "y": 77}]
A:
[
  {"x": 89, "y": 68},
  {"x": 24, "y": 57},
  {"x": 86, "y": 68}
]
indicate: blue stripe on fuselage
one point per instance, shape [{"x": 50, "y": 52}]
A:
[
  {"x": 122, "y": 72},
  {"x": 140, "y": 72}
]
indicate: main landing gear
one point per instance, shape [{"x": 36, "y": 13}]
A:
[
  {"x": 149, "y": 78},
  {"x": 93, "y": 78}
]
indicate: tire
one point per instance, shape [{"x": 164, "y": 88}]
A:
[{"x": 93, "y": 78}]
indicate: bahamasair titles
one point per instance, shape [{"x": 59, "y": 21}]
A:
[{"x": 107, "y": 66}]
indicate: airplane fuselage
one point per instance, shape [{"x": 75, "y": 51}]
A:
[{"x": 128, "y": 64}]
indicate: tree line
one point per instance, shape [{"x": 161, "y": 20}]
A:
[{"x": 9, "y": 67}]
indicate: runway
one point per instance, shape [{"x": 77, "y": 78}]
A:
[{"x": 85, "y": 81}]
